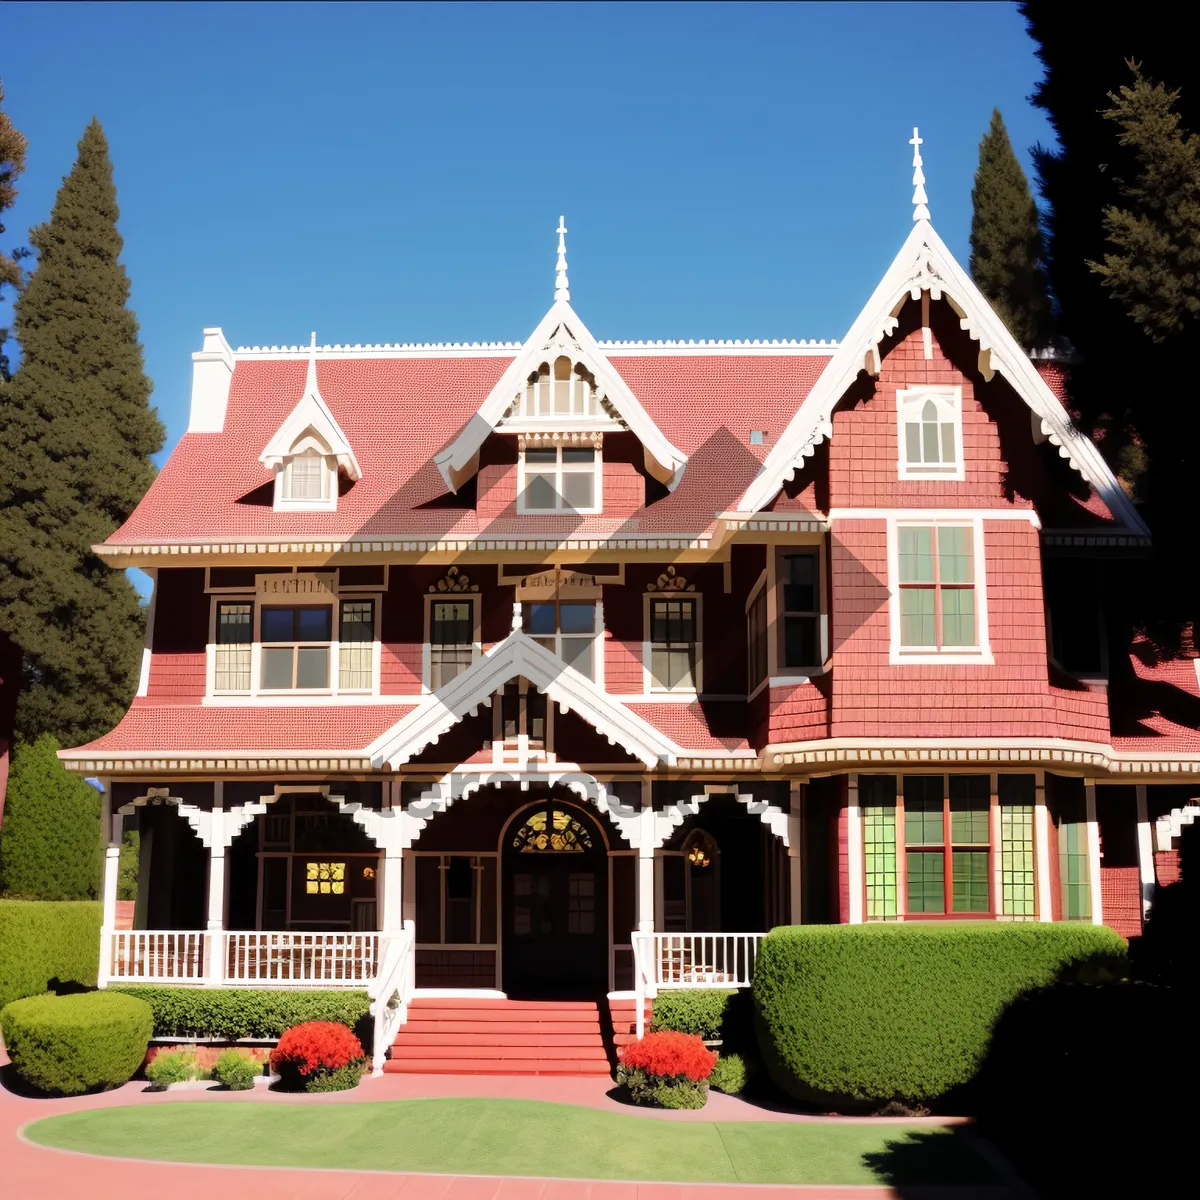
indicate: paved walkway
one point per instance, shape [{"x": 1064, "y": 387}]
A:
[{"x": 29, "y": 1172}]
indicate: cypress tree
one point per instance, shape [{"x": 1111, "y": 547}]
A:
[
  {"x": 1006, "y": 240},
  {"x": 76, "y": 435},
  {"x": 50, "y": 841},
  {"x": 12, "y": 163}
]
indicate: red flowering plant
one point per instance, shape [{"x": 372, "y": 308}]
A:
[
  {"x": 667, "y": 1069},
  {"x": 318, "y": 1056}
]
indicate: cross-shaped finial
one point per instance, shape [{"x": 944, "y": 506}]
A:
[
  {"x": 920, "y": 200},
  {"x": 561, "y": 287}
]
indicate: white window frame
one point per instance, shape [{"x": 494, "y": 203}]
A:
[
  {"x": 597, "y": 637},
  {"x": 980, "y": 655},
  {"x": 307, "y": 447},
  {"x": 648, "y": 684},
  {"x": 471, "y": 598},
  {"x": 759, "y": 586},
  {"x": 949, "y": 401},
  {"x": 560, "y": 508},
  {"x": 285, "y": 696}
]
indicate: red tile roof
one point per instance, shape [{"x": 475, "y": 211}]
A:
[
  {"x": 397, "y": 413},
  {"x": 691, "y": 725}
]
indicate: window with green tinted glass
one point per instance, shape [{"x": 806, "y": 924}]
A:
[
  {"x": 1017, "y": 886},
  {"x": 877, "y": 798},
  {"x": 925, "y": 826},
  {"x": 947, "y": 825},
  {"x": 937, "y": 587},
  {"x": 1073, "y": 869}
]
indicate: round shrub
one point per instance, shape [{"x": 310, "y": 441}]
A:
[
  {"x": 318, "y": 1056},
  {"x": 699, "y": 1011},
  {"x": 729, "y": 1075},
  {"x": 72, "y": 1044},
  {"x": 851, "y": 1017},
  {"x": 237, "y": 1071},
  {"x": 667, "y": 1069},
  {"x": 175, "y": 1066}
]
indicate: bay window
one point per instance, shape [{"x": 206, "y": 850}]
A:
[
  {"x": 800, "y": 610},
  {"x": 756, "y": 637}
]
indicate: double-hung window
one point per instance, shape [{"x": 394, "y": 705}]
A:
[
  {"x": 451, "y": 639},
  {"x": 936, "y": 581},
  {"x": 930, "y": 433},
  {"x": 674, "y": 643},
  {"x": 800, "y": 610},
  {"x": 946, "y": 843},
  {"x": 356, "y": 645},
  {"x": 235, "y": 637},
  {"x": 295, "y": 647},
  {"x": 567, "y": 629},
  {"x": 560, "y": 479},
  {"x": 756, "y": 637}
]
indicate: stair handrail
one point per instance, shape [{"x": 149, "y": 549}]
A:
[{"x": 391, "y": 991}]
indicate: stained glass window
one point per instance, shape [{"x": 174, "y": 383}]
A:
[
  {"x": 552, "y": 831},
  {"x": 325, "y": 878},
  {"x": 1016, "y": 846},
  {"x": 877, "y": 795}
]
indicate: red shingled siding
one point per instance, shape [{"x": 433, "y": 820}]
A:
[
  {"x": 1166, "y": 867},
  {"x": 801, "y": 712},
  {"x": 1011, "y": 698},
  {"x": 623, "y": 632},
  {"x": 1121, "y": 900},
  {"x": 841, "y": 832},
  {"x": 181, "y": 612}
]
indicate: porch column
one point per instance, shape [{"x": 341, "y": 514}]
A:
[
  {"x": 1093, "y": 845},
  {"x": 215, "y": 939},
  {"x": 1041, "y": 841},
  {"x": 795, "y": 853},
  {"x": 392, "y": 915},
  {"x": 645, "y": 871},
  {"x": 1145, "y": 845},
  {"x": 854, "y": 851},
  {"x": 110, "y": 825}
]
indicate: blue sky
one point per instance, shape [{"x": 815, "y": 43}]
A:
[{"x": 395, "y": 173}]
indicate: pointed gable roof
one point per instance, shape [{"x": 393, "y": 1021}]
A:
[
  {"x": 311, "y": 417},
  {"x": 925, "y": 263},
  {"x": 560, "y": 331},
  {"x": 519, "y": 655}
]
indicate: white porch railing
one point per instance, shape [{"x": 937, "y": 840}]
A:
[
  {"x": 391, "y": 990},
  {"x": 239, "y": 958},
  {"x": 690, "y": 960}
]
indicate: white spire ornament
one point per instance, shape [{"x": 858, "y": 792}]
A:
[
  {"x": 561, "y": 287},
  {"x": 310, "y": 382},
  {"x": 920, "y": 200}
]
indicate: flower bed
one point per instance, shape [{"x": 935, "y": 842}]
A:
[
  {"x": 668, "y": 1069},
  {"x": 318, "y": 1056}
]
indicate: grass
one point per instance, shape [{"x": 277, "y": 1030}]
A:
[{"x": 518, "y": 1137}]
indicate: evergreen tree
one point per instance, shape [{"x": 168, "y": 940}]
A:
[
  {"x": 12, "y": 163},
  {"x": 1153, "y": 268},
  {"x": 50, "y": 846},
  {"x": 1006, "y": 240},
  {"x": 76, "y": 435},
  {"x": 1133, "y": 393}
]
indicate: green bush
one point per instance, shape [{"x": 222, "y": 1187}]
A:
[
  {"x": 658, "y": 1092},
  {"x": 233, "y": 1013},
  {"x": 44, "y": 941},
  {"x": 237, "y": 1071},
  {"x": 50, "y": 841},
  {"x": 729, "y": 1075},
  {"x": 79, "y": 1043},
  {"x": 702, "y": 1012},
  {"x": 852, "y": 1016},
  {"x": 340, "y": 1079},
  {"x": 175, "y": 1066}
]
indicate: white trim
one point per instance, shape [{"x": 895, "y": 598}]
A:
[
  {"x": 558, "y": 468},
  {"x": 943, "y": 395},
  {"x": 855, "y": 863},
  {"x": 924, "y": 263},
  {"x": 1093, "y": 846},
  {"x": 1041, "y": 842},
  {"x": 960, "y": 656},
  {"x": 919, "y": 515},
  {"x": 1145, "y": 844},
  {"x": 148, "y": 645},
  {"x": 559, "y": 328},
  {"x": 720, "y": 347}
]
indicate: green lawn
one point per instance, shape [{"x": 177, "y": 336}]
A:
[{"x": 518, "y": 1137}]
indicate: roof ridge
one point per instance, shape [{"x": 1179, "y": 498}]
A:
[{"x": 648, "y": 343}]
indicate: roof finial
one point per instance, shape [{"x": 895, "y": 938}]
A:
[
  {"x": 310, "y": 382},
  {"x": 561, "y": 287},
  {"x": 920, "y": 200}
]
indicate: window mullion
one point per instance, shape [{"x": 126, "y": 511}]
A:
[{"x": 947, "y": 848}]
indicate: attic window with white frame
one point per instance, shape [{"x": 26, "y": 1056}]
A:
[
  {"x": 308, "y": 477},
  {"x": 929, "y": 433},
  {"x": 559, "y": 478}
]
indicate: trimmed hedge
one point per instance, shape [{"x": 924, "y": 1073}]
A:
[
  {"x": 232, "y": 1013},
  {"x": 700, "y": 1012},
  {"x": 47, "y": 940},
  {"x": 79, "y": 1043},
  {"x": 854, "y": 1016}
]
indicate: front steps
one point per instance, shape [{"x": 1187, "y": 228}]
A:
[{"x": 462, "y": 1035}]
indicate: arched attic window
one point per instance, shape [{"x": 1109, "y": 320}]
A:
[
  {"x": 561, "y": 389},
  {"x": 307, "y": 478},
  {"x": 930, "y": 433}
]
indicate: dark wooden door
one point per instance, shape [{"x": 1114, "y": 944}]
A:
[{"x": 555, "y": 904}]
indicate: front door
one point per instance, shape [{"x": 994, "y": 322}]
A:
[{"x": 555, "y": 904}]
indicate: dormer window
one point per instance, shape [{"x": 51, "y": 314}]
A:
[
  {"x": 306, "y": 479},
  {"x": 559, "y": 479},
  {"x": 930, "y": 433}
]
